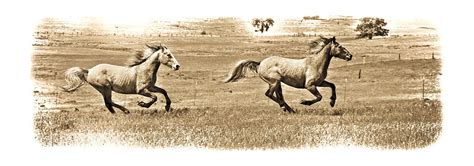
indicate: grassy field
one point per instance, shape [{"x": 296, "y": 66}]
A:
[{"x": 382, "y": 109}]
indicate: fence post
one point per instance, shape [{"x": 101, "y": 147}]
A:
[
  {"x": 195, "y": 93},
  {"x": 423, "y": 87},
  {"x": 345, "y": 88},
  {"x": 360, "y": 72},
  {"x": 399, "y": 57},
  {"x": 432, "y": 55}
]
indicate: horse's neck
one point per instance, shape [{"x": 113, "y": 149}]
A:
[
  {"x": 322, "y": 59},
  {"x": 150, "y": 67},
  {"x": 155, "y": 70}
]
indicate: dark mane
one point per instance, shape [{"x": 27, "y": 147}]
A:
[
  {"x": 142, "y": 55},
  {"x": 315, "y": 47}
]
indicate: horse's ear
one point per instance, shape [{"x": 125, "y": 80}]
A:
[
  {"x": 333, "y": 38},
  {"x": 161, "y": 46}
]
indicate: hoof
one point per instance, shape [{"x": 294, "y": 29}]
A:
[
  {"x": 288, "y": 109},
  {"x": 143, "y": 104},
  {"x": 112, "y": 111},
  {"x": 306, "y": 102},
  {"x": 332, "y": 103},
  {"x": 126, "y": 112}
]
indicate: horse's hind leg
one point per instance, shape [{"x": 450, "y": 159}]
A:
[
  {"x": 124, "y": 110},
  {"x": 162, "y": 91},
  {"x": 273, "y": 87},
  {"x": 333, "y": 89},
  {"x": 269, "y": 93},
  {"x": 279, "y": 95},
  {"x": 146, "y": 92},
  {"x": 109, "y": 100},
  {"x": 109, "y": 103},
  {"x": 107, "y": 94},
  {"x": 315, "y": 92}
]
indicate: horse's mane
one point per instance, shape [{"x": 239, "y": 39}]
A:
[
  {"x": 142, "y": 55},
  {"x": 313, "y": 46}
]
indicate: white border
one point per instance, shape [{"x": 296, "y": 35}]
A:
[{"x": 18, "y": 146}]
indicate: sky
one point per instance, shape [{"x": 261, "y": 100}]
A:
[{"x": 139, "y": 10}]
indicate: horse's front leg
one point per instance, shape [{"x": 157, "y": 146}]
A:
[
  {"x": 333, "y": 88},
  {"x": 312, "y": 88},
  {"x": 162, "y": 91},
  {"x": 146, "y": 92}
]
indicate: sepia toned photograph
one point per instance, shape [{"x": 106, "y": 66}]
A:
[{"x": 237, "y": 83}]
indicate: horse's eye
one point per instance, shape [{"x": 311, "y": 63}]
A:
[{"x": 169, "y": 55}]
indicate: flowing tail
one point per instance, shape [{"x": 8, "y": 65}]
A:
[
  {"x": 75, "y": 78},
  {"x": 240, "y": 69}
]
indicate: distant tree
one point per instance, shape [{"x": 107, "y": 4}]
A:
[
  {"x": 370, "y": 27},
  {"x": 262, "y": 25}
]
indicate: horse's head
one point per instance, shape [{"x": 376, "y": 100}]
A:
[
  {"x": 164, "y": 56},
  {"x": 339, "y": 51}
]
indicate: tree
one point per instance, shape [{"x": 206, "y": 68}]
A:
[
  {"x": 370, "y": 27},
  {"x": 262, "y": 25}
]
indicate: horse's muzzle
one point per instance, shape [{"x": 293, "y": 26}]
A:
[
  {"x": 175, "y": 67},
  {"x": 349, "y": 58}
]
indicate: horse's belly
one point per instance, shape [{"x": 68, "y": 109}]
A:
[
  {"x": 293, "y": 76},
  {"x": 294, "y": 82},
  {"x": 124, "y": 84},
  {"x": 124, "y": 88}
]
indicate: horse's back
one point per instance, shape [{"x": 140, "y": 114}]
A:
[
  {"x": 269, "y": 67},
  {"x": 281, "y": 60},
  {"x": 108, "y": 66},
  {"x": 108, "y": 69},
  {"x": 289, "y": 71},
  {"x": 121, "y": 78}
]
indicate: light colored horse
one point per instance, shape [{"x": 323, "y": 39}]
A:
[
  {"x": 137, "y": 78},
  {"x": 308, "y": 73}
]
